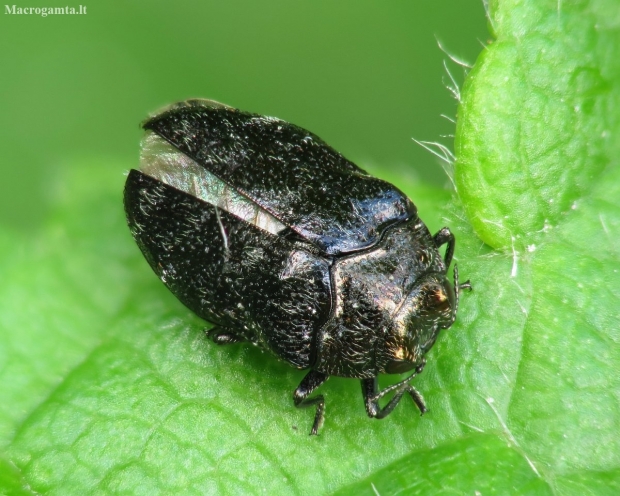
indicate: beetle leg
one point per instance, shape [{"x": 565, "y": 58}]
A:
[
  {"x": 372, "y": 395},
  {"x": 442, "y": 237},
  {"x": 465, "y": 285},
  {"x": 300, "y": 397},
  {"x": 223, "y": 336},
  {"x": 420, "y": 367}
]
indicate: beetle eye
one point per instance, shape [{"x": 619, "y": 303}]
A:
[
  {"x": 399, "y": 366},
  {"x": 439, "y": 300}
]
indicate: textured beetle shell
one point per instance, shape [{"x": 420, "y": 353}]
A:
[
  {"x": 327, "y": 291},
  {"x": 289, "y": 172},
  {"x": 262, "y": 285}
]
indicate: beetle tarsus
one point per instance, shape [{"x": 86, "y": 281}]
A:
[
  {"x": 372, "y": 395},
  {"x": 465, "y": 285},
  {"x": 420, "y": 367},
  {"x": 300, "y": 397},
  {"x": 223, "y": 336},
  {"x": 442, "y": 237}
]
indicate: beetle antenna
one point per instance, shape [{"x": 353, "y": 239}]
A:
[
  {"x": 458, "y": 288},
  {"x": 456, "y": 291}
]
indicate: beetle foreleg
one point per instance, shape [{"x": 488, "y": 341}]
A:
[
  {"x": 372, "y": 395},
  {"x": 223, "y": 336},
  {"x": 309, "y": 383},
  {"x": 442, "y": 237}
]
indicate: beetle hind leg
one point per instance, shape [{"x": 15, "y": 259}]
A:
[
  {"x": 222, "y": 336},
  {"x": 372, "y": 395},
  {"x": 300, "y": 397}
]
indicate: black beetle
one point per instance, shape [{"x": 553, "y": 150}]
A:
[{"x": 260, "y": 227}]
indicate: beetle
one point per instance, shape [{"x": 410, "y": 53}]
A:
[{"x": 261, "y": 228}]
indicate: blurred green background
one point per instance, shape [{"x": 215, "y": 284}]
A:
[{"x": 364, "y": 75}]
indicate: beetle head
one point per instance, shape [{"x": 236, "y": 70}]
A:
[{"x": 429, "y": 307}]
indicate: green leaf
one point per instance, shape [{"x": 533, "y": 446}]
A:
[
  {"x": 485, "y": 462},
  {"x": 536, "y": 128},
  {"x": 109, "y": 385}
]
